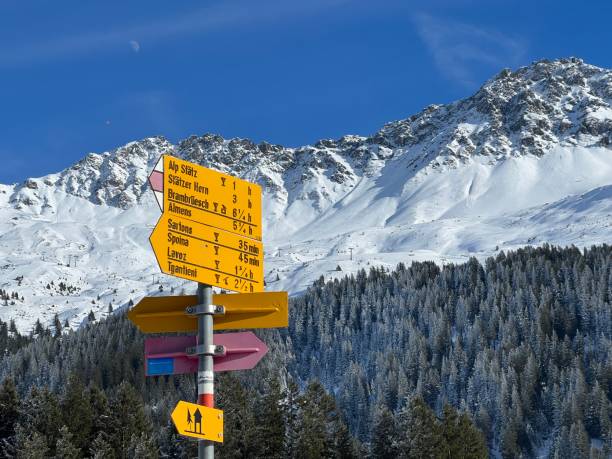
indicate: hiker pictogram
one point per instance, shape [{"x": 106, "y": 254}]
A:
[{"x": 196, "y": 420}]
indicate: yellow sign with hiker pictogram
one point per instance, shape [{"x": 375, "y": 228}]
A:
[{"x": 198, "y": 421}]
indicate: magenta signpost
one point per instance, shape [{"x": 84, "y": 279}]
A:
[{"x": 169, "y": 355}]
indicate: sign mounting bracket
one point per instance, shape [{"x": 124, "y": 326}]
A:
[
  {"x": 201, "y": 349},
  {"x": 198, "y": 309}
]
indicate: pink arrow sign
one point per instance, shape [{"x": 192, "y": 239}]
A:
[
  {"x": 167, "y": 355},
  {"x": 156, "y": 180}
]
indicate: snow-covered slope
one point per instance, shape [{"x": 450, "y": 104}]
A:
[{"x": 525, "y": 160}]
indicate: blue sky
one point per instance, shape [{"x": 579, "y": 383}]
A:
[{"x": 79, "y": 77}]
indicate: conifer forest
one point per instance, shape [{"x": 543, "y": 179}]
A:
[{"x": 511, "y": 358}]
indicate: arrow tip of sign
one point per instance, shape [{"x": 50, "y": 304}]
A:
[{"x": 156, "y": 180}]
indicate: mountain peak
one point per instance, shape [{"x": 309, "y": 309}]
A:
[{"x": 528, "y": 111}]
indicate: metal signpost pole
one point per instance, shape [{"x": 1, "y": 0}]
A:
[{"x": 206, "y": 448}]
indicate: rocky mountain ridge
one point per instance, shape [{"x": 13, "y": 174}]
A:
[{"x": 525, "y": 112}]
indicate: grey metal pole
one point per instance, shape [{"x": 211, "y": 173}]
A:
[{"x": 206, "y": 376}]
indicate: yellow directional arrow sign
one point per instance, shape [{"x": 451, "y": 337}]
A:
[
  {"x": 193, "y": 251},
  {"x": 198, "y": 421},
  {"x": 166, "y": 314},
  {"x": 207, "y": 196}
]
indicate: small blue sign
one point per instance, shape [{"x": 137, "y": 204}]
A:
[{"x": 163, "y": 366}]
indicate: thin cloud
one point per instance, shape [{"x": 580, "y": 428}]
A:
[
  {"x": 460, "y": 49},
  {"x": 226, "y": 14}
]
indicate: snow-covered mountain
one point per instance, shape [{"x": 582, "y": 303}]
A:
[{"x": 526, "y": 160}]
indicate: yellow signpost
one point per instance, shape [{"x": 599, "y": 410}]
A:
[
  {"x": 166, "y": 314},
  {"x": 198, "y": 421},
  {"x": 212, "y": 198},
  {"x": 193, "y": 251},
  {"x": 210, "y": 232}
]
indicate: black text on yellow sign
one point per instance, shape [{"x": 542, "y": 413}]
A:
[
  {"x": 190, "y": 250},
  {"x": 212, "y": 198}
]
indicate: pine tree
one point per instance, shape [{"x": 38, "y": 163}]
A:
[
  {"x": 142, "y": 446},
  {"x": 419, "y": 432},
  {"x": 239, "y": 421},
  {"x": 579, "y": 440},
  {"x": 100, "y": 411},
  {"x": 101, "y": 448},
  {"x": 57, "y": 325},
  {"x": 40, "y": 412},
  {"x": 384, "y": 435},
  {"x": 345, "y": 446},
  {"x": 270, "y": 425},
  {"x": 605, "y": 422},
  {"x": 78, "y": 415},
  {"x": 65, "y": 448},
  {"x": 127, "y": 418},
  {"x": 509, "y": 439},
  {"x": 475, "y": 445},
  {"x": 13, "y": 327},
  {"x": 561, "y": 445},
  {"x": 9, "y": 408},
  {"x": 461, "y": 437},
  {"x": 174, "y": 445},
  {"x": 38, "y": 328},
  {"x": 312, "y": 435},
  {"x": 30, "y": 444},
  {"x": 451, "y": 432},
  {"x": 290, "y": 411},
  {"x": 321, "y": 428}
]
